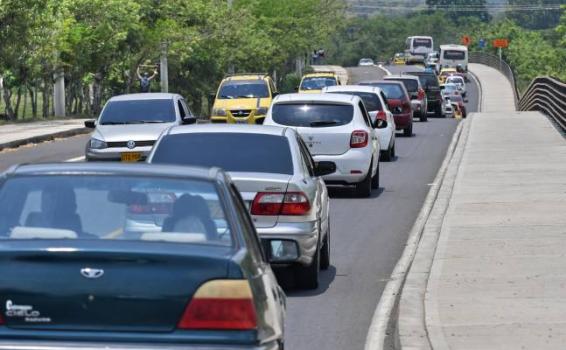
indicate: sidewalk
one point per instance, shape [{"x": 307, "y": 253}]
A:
[
  {"x": 15, "y": 135},
  {"x": 490, "y": 269}
]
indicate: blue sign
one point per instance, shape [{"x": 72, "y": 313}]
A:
[{"x": 482, "y": 43}]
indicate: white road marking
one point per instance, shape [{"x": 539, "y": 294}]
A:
[
  {"x": 76, "y": 159},
  {"x": 387, "y": 71}
]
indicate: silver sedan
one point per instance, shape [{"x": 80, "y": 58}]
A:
[{"x": 277, "y": 178}]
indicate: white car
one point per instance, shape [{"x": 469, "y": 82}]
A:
[
  {"x": 366, "y": 62},
  {"x": 459, "y": 81},
  {"x": 376, "y": 104},
  {"x": 336, "y": 128}
]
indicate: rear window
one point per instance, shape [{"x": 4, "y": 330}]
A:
[
  {"x": 410, "y": 84},
  {"x": 108, "y": 207},
  {"x": 312, "y": 114},
  {"x": 317, "y": 83},
  {"x": 371, "y": 101},
  {"x": 138, "y": 112},
  {"x": 454, "y": 55},
  {"x": 422, "y": 43},
  {"x": 237, "y": 152},
  {"x": 243, "y": 89},
  {"x": 390, "y": 90},
  {"x": 427, "y": 79}
]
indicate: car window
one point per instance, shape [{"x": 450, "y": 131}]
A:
[
  {"x": 365, "y": 114},
  {"x": 307, "y": 158},
  {"x": 427, "y": 79},
  {"x": 317, "y": 83},
  {"x": 243, "y": 89},
  {"x": 422, "y": 42},
  {"x": 312, "y": 114},
  {"x": 454, "y": 55},
  {"x": 236, "y": 152},
  {"x": 410, "y": 84},
  {"x": 384, "y": 99},
  {"x": 138, "y": 112},
  {"x": 371, "y": 101},
  {"x": 391, "y": 90},
  {"x": 186, "y": 107},
  {"x": 181, "y": 110},
  {"x": 134, "y": 208}
]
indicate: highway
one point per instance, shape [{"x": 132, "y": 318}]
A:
[{"x": 368, "y": 235}]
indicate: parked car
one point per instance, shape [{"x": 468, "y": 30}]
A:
[
  {"x": 277, "y": 178},
  {"x": 71, "y": 280},
  {"x": 336, "y": 128},
  {"x": 460, "y": 83},
  {"x": 364, "y": 62},
  {"x": 416, "y": 92},
  {"x": 129, "y": 125},
  {"x": 399, "y": 103},
  {"x": 313, "y": 83},
  {"x": 243, "y": 99},
  {"x": 376, "y": 104},
  {"x": 429, "y": 82}
]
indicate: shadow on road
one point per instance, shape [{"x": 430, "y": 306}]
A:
[
  {"x": 286, "y": 279},
  {"x": 346, "y": 192}
]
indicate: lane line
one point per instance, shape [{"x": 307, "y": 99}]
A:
[
  {"x": 76, "y": 159},
  {"x": 387, "y": 71}
]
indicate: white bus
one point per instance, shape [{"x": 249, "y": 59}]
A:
[
  {"x": 419, "y": 45},
  {"x": 452, "y": 56}
]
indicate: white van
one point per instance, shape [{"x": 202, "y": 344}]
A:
[
  {"x": 452, "y": 56},
  {"x": 419, "y": 46}
]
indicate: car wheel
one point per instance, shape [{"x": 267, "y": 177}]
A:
[
  {"x": 307, "y": 276},
  {"x": 387, "y": 155},
  {"x": 325, "y": 251},
  {"x": 375, "y": 179},
  {"x": 423, "y": 117},
  {"x": 408, "y": 132},
  {"x": 363, "y": 189},
  {"x": 393, "y": 154},
  {"x": 438, "y": 112}
]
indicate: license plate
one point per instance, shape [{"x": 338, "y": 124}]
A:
[
  {"x": 130, "y": 156},
  {"x": 241, "y": 121}
]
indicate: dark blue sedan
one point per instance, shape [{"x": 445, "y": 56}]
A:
[{"x": 118, "y": 256}]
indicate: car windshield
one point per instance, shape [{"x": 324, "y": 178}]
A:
[
  {"x": 391, "y": 90},
  {"x": 455, "y": 80},
  {"x": 450, "y": 87},
  {"x": 422, "y": 42},
  {"x": 454, "y": 55},
  {"x": 111, "y": 207},
  {"x": 366, "y": 60},
  {"x": 312, "y": 114},
  {"x": 317, "y": 83},
  {"x": 411, "y": 85},
  {"x": 236, "y": 152},
  {"x": 243, "y": 89},
  {"x": 371, "y": 101},
  {"x": 138, "y": 112}
]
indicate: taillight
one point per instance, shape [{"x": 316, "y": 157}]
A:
[
  {"x": 421, "y": 94},
  {"x": 382, "y": 115},
  {"x": 1, "y": 320},
  {"x": 359, "y": 139},
  {"x": 221, "y": 304},
  {"x": 278, "y": 203}
]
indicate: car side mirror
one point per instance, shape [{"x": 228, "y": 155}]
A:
[
  {"x": 380, "y": 124},
  {"x": 281, "y": 251},
  {"x": 189, "y": 120},
  {"x": 91, "y": 124},
  {"x": 324, "y": 168}
]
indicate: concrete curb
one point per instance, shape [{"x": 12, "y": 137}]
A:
[
  {"x": 480, "y": 90},
  {"x": 43, "y": 138}
]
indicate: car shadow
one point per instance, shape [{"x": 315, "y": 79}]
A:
[
  {"x": 346, "y": 192},
  {"x": 286, "y": 280}
]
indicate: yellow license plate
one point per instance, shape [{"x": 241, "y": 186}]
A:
[{"x": 131, "y": 156}]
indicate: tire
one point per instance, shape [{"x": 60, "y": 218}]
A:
[
  {"x": 387, "y": 155},
  {"x": 423, "y": 117},
  {"x": 408, "y": 132},
  {"x": 325, "y": 251},
  {"x": 363, "y": 189},
  {"x": 438, "y": 112},
  {"x": 307, "y": 276},
  {"x": 375, "y": 179},
  {"x": 393, "y": 154}
]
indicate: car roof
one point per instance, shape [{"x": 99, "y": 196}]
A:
[
  {"x": 319, "y": 74},
  {"x": 400, "y": 76},
  {"x": 354, "y": 88},
  {"x": 347, "y": 99},
  {"x": 227, "y": 128},
  {"x": 454, "y": 76},
  {"x": 146, "y": 96},
  {"x": 448, "y": 70},
  {"x": 111, "y": 168},
  {"x": 247, "y": 76},
  {"x": 454, "y": 46}
]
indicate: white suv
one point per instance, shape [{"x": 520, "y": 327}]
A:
[{"x": 336, "y": 128}]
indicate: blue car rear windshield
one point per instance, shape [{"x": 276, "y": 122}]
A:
[
  {"x": 138, "y": 112},
  {"x": 235, "y": 152},
  {"x": 108, "y": 207}
]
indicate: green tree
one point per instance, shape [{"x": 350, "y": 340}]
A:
[
  {"x": 544, "y": 18},
  {"x": 459, "y": 9}
]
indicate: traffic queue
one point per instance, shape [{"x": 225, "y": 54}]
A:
[{"x": 173, "y": 240}]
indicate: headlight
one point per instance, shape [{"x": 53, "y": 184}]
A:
[
  {"x": 97, "y": 144},
  {"x": 261, "y": 111},
  {"x": 221, "y": 112}
]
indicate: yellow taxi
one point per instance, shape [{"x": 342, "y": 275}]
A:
[
  {"x": 399, "y": 58},
  {"x": 243, "y": 99},
  {"x": 313, "y": 83},
  {"x": 445, "y": 73}
]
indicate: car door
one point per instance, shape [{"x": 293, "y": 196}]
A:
[{"x": 372, "y": 132}]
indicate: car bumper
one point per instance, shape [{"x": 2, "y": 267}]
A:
[
  {"x": 305, "y": 234},
  {"x": 111, "y": 154},
  {"x": 45, "y": 345},
  {"x": 229, "y": 119},
  {"x": 418, "y": 106},
  {"x": 403, "y": 121},
  {"x": 351, "y": 167}
]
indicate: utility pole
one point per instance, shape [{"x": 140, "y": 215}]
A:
[
  {"x": 164, "y": 71},
  {"x": 59, "y": 93},
  {"x": 231, "y": 68}
]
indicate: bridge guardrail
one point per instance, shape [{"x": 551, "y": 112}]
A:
[{"x": 544, "y": 94}]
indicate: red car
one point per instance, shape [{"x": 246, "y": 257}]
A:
[{"x": 399, "y": 103}]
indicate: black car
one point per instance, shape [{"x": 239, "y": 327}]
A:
[
  {"x": 116, "y": 256},
  {"x": 429, "y": 81}
]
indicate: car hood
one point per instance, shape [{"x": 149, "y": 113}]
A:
[
  {"x": 134, "y": 132},
  {"x": 242, "y": 103}
]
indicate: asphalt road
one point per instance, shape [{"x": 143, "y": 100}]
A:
[{"x": 368, "y": 235}]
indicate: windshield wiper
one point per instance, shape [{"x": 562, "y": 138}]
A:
[
  {"x": 323, "y": 123},
  {"x": 112, "y": 123},
  {"x": 145, "y": 122}
]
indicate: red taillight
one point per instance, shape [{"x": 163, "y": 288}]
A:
[
  {"x": 382, "y": 115},
  {"x": 1, "y": 320},
  {"x": 421, "y": 94},
  {"x": 221, "y": 304},
  {"x": 278, "y": 203},
  {"x": 359, "y": 139}
]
